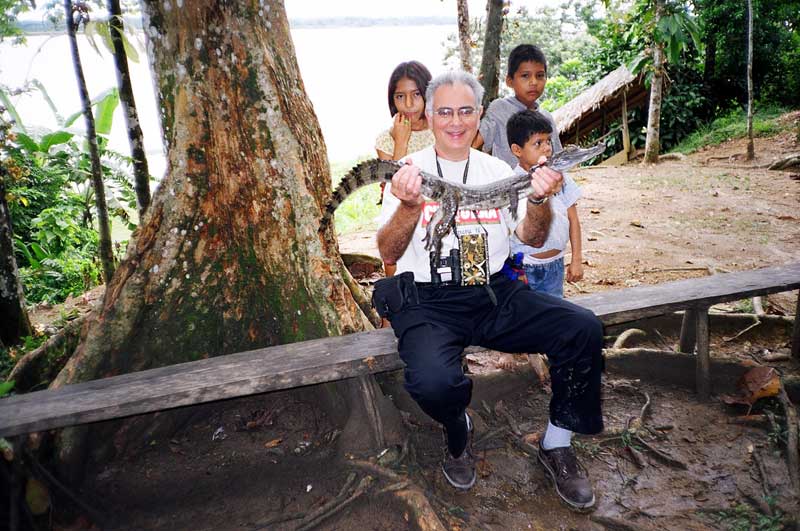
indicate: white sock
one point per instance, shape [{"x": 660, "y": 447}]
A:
[{"x": 556, "y": 437}]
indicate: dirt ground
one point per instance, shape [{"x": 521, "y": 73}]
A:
[{"x": 253, "y": 463}]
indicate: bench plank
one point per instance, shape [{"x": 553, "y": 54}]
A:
[
  {"x": 331, "y": 359},
  {"x": 245, "y": 373},
  {"x": 621, "y": 306}
]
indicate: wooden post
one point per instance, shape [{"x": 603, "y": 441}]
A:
[
  {"x": 688, "y": 332},
  {"x": 703, "y": 362},
  {"x": 796, "y": 330},
  {"x": 626, "y": 135}
]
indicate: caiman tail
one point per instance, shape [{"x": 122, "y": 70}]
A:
[{"x": 367, "y": 172}]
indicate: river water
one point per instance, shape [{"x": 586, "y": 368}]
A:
[{"x": 345, "y": 71}]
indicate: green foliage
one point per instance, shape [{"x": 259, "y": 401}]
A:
[
  {"x": 9, "y": 10},
  {"x": 776, "y": 49},
  {"x": 743, "y": 517},
  {"x": 733, "y": 125},
  {"x": 6, "y": 387},
  {"x": 359, "y": 211},
  {"x": 51, "y": 200},
  {"x": 561, "y": 35}
]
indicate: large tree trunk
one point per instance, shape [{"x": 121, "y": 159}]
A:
[
  {"x": 464, "y": 38},
  {"x": 106, "y": 254},
  {"x": 14, "y": 322},
  {"x": 141, "y": 174},
  {"x": 751, "y": 152},
  {"x": 229, "y": 257},
  {"x": 490, "y": 62},
  {"x": 652, "y": 144}
]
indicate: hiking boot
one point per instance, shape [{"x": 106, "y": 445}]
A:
[
  {"x": 460, "y": 471},
  {"x": 569, "y": 476}
]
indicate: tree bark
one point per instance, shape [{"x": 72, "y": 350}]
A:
[
  {"x": 106, "y": 254},
  {"x": 751, "y": 153},
  {"x": 229, "y": 257},
  {"x": 652, "y": 144},
  {"x": 141, "y": 174},
  {"x": 14, "y": 322},
  {"x": 464, "y": 38},
  {"x": 490, "y": 62}
]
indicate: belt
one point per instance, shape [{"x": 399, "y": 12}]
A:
[{"x": 452, "y": 284}]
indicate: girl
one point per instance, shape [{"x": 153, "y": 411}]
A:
[{"x": 409, "y": 131}]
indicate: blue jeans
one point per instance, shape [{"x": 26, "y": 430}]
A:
[{"x": 546, "y": 278}]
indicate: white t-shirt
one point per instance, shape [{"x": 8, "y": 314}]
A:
[
  {"x": 558, "y": 236},
  {"x": 497, "y": 222}
]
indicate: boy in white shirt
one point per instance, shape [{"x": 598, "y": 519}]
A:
[{"x": 529, "y": 136}]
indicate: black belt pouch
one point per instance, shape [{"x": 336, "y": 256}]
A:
[{"x": 392, "y": 295}]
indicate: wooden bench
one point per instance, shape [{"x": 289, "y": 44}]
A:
[{"x": 337, "y": 358}]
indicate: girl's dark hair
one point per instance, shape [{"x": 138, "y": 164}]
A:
[
  {"x": 524, "y": 53},
  {"x": 524, "y": 124},
  {"x": 413, "y": 70}
]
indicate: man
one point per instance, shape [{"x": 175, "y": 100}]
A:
[{"x": 437, "y": 309}]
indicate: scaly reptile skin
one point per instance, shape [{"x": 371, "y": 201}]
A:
[{"x": 452, "y": 196}]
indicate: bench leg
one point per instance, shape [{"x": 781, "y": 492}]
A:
[
  {"x": 702, "y": 362},
  {"x": 688, "y": 332},
  {"x": 796, "y": 330}
]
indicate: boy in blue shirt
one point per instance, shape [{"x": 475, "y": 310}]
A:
[{"x": 527, "y": 77}]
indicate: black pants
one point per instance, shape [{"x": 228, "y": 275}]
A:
[{"x": 434, "y": 324}]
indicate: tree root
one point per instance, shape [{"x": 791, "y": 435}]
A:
[
  {"x": 615, "y": 524},
  {"x": 661, "y": 456},
  {"x": 424, "y": 514},
  {"x": 627, "y": 334},
  {"x": 41, "y": 365},
  {"x": 764, "y": 481},
  {"x": 95, "y": 515},
  {"x": 786, "y": 162},
  {"x": 756, "y": 322},
  {"x": 364, "y": 302},
  {"x": 792, "y": 426},
  {"x": 344, "y": 499}
]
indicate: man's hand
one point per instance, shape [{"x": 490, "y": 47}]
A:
[
  {"x": 574, "y": 272},
  {"x": 406, "y": 185},
  {"x": 544, "y": 181}
]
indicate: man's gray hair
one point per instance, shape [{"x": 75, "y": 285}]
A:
[{"x": 453, "y": 77}]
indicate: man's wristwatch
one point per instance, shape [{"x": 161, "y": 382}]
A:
[{"x": 541, "y": 201}]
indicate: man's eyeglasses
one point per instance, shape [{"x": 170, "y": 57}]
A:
[{"x": 447, "y": 114}]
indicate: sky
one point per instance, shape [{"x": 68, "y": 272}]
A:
[
  {"x": 374, "y": 8},
  {"x": 384, "y": 8}
]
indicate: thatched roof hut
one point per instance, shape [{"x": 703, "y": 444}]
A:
[{"x": 600, "y": 104}]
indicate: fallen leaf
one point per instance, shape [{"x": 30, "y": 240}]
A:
[
  {"x": 273, "y": 443},
  {"x": 594, "y": 211},
  {"x": 532, "y": 438},
  {"x": 786, "y": 218},
  {"x": 370, "y": 361},
  {"x": 637, "y": 223},
  {"x": 591, "y": 239},
  {"x": 37, "y": 496},
  {"x": 485, "y": 468}
]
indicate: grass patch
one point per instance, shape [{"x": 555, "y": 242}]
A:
[
  {"x": 359, "y": 211},
  {"x": 733, "y": 125}
]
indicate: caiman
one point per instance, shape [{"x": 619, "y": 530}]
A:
[{"x": 453, "y": 196}]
